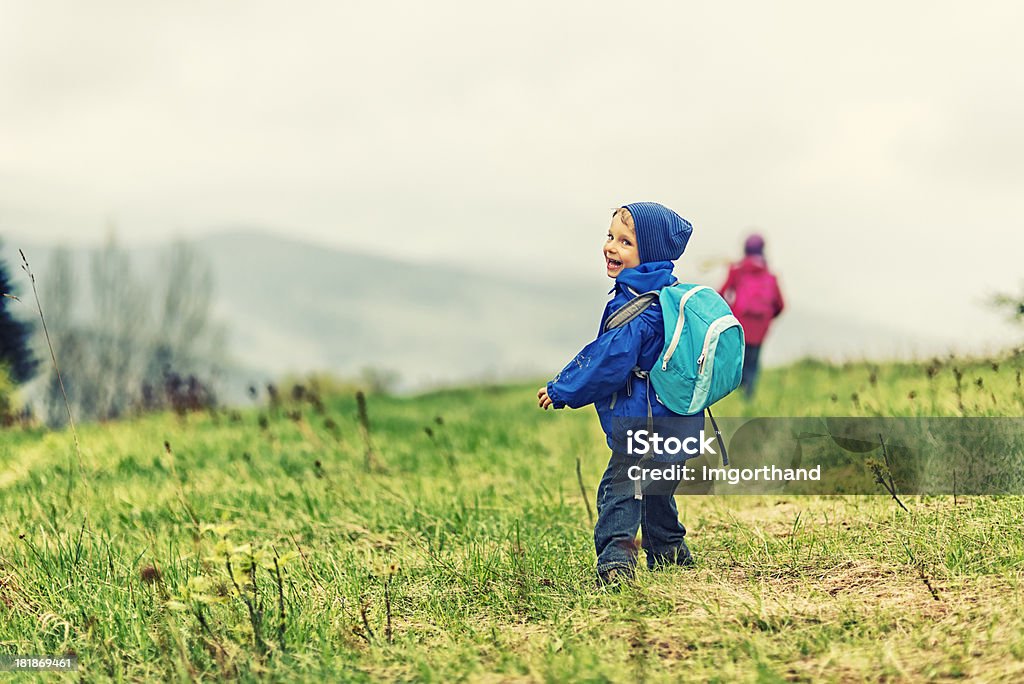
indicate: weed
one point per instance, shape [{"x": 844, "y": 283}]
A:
[
  {"x": 53, "y": 356},
  {"x": 364, "y": 426}
]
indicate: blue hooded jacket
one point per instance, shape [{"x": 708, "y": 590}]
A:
[{"x": 602, "y": 373}]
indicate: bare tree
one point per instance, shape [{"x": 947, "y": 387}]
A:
[
  {"x": 59, "y": 292},
  {"x": 187, "y": 338},
  {"x": 122, "y": 326},
  {"x": 148, "y": 343}
]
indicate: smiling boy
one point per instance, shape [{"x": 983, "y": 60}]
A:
[
  {"x": 611, "y": 372},
  {"x": 620, "y": 250}
]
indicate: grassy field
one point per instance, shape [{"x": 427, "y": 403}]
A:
[{"x": 267, "y": 544}]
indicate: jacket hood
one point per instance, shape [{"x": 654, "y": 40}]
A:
[
  {"x": 652, "y": 275},
  {"x": 661, "y": 234},
  {"x": 753, "y": 264}
]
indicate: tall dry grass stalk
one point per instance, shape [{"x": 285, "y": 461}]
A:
[{"x": 53, "y": 357}]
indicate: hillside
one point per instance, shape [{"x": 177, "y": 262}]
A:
[{"x": 268, "y": 544}]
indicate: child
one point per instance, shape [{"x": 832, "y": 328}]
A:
[
  {"x": 753, "y": 293},
  {"x": 610, "y": 372}
]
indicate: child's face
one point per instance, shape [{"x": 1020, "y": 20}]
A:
[{"x": 620, "y": 251}]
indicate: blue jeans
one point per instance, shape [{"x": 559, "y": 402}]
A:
[
  {"x": 620, "y": 515},
  {"x": 751, "y": 356}
]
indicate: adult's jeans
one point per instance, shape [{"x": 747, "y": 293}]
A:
[{"x": 620, "y": 514}]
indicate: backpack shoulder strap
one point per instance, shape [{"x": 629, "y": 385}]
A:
[{"x": 630, "y": 310}]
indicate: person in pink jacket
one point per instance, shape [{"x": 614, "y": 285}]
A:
[{"x": 753, "y": 293}]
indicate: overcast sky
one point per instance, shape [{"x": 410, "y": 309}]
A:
[{"x": 877, "y": 145}]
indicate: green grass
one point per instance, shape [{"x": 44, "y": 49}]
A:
[{"x": 466, "y": 553}]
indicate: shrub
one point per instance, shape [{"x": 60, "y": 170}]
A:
[{"x": 9, "y": 411}]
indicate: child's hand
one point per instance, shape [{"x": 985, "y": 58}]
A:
[{"x": 543, "y": 400}]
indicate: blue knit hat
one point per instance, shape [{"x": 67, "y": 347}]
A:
[{"x": 661, "y": 234}]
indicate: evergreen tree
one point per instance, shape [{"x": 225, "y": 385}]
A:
[
  {"x": 15, "y": 334},
  {"x": 1012, "y": 305}
]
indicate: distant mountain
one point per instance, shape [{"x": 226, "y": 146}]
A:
[{"x": 296, "y": 307}]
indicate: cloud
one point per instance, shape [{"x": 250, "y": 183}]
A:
[{"x": 878, "y": 146}]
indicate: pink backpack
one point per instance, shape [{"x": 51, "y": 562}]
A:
[{"x": 755, "y": 295}]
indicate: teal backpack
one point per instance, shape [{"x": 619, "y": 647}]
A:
[{"x": 702, "y": 360}]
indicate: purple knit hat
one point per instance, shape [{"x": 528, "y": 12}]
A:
[
  {"x": 754, "y": 245},
  {"x": 661, "y": 234}
]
